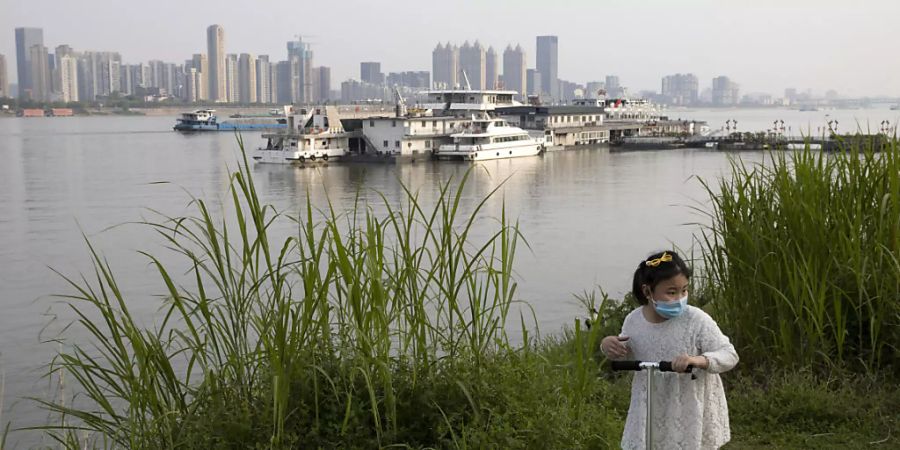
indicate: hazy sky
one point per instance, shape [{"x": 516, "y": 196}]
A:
[{"x": 764, "y": 45}]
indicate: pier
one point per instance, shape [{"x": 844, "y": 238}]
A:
[{"x": 761, "y": 141}]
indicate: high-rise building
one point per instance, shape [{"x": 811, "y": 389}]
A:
[
  {"x": 724, "y": 91},
  {"x": 157, "y": 72},
  {"x": 171, "y": 74},
  {"x": 473, "y": 62},
  {"x": 193, "y": 84},
  {"x": 681, "y": 89},
  {"x": 55, "y": 76},
  {"x": 613, "y": 87},
  {"x": 548, "y": 64},
  {"x": 324, "y": 84},
  {"x": 445, "y": 66},
  {"x": 163, "y": 76},
  {"x": 417, "y": 80},
  {"x": 4, "y": 78},
  {"x": 534, "y": 84},
  {"x": 301, "y": 56},
  {"x": 232, "y": 86},
  {"x": 99, "y": 74},
  {"x": 353, "y": 90},
  {"x": 569, "y": 91},
  {"x": 67, "y": 70},
  {"x": 130, "y": 78},
  {"x": 592, "y": 89},
  {"x": 141, "y": 74},
  {"x": 285, "y": 84},
  {"x": 215, "y": 48},
  {"x": 40, "y": 73},
  {"x": 515, "y": 70},
  {"x": 201, "y": 63},
  {"x": 247, "y": 78},
  {"x": 370, "y": 72},
  {"x": 26, "y": 38},
  {"x": 492, "y": 69},
  {"x": 263, "y": 80},
  {"x": 273, "y": 82}
]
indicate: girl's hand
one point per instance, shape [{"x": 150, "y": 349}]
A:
[
  {"x": 614, "y": 346},
  {"x": 680, "y": 363}
]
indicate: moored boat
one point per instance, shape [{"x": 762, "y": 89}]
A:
[
  {"x": 316, "y": 139},
  {"x": 490, "y": 138}
]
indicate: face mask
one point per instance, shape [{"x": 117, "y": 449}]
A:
[{"x": 671, "y": 310}]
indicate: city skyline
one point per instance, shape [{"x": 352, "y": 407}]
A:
[{"x": 829, "y": 51}]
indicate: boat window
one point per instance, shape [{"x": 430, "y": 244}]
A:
[
  {"x": 393, "y": 123},
  {"x": 371, "y": 123},
  {"x": 385, "y": 144},
  {"x": 397, "y": 144},
  {"x": 427, "y": 144}
]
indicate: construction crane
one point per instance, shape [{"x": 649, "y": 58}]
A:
[{"x": 400, "y": 102}]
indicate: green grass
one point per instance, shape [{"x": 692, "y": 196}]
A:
[
  {"x": 362, "y": 330},
  {"x": 803, "y": 258},
  {"x": 388, "y": 330},
  {"x": 802, "y": 410}
]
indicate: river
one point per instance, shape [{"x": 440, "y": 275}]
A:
[{"x": 590, "y": 215}]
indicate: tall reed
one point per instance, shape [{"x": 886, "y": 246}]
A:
[
  {"x": 305, "y": 339},
  {"x": 803, "y": 255}
]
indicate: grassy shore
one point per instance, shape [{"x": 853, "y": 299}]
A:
[{"x": 370, "y": 330}]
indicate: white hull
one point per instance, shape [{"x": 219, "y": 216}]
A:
[
  {"x": 297, "y": 157},
  {"x": 483, "y": 154}
]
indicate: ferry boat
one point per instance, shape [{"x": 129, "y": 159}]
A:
[
  {"x": 319, "y": 137},
  {"x": 490, "y": 138},
  {"x": 205, "y": 120}
]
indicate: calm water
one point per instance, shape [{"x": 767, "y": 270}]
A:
[{"x": 589, "y": 215}]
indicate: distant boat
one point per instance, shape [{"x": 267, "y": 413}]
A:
[
  {"x": 205, "y": 120},
  {"x": 808, "y": 108},
  {"x": 895, "y": 107},
  {"x": 271, "y": 113}
]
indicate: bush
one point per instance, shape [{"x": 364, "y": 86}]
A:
[{"x": 803, "y": 258}]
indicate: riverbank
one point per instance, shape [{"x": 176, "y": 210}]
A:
[{"x": 363, "y": 332}]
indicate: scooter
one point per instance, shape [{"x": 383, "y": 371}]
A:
[{"x": 652, "y": 368}]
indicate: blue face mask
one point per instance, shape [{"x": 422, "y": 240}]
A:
[{"x": 671, "y": 310}]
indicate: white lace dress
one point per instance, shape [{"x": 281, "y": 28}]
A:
[{"x": 688, "y": 414}]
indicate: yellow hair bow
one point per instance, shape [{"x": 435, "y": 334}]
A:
[{"x": 666, "y": 257}]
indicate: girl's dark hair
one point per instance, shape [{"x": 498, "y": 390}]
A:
[{"x": 653, "y": 270}]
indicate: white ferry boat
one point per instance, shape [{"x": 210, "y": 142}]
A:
[
  {"x": 316, "y": 139},
  {"x": 490, "y": 138}
]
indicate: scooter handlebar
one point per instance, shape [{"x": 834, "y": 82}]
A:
[{"x": 664, "y": 366}]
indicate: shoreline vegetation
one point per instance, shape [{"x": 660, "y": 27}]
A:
[{"x": 390, "y": 329}]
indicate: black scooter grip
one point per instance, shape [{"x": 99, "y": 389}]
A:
[
  {"x": 666, "y": 366},
  {"x": 625, "y": 365}
]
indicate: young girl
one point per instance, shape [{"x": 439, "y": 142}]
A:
[{"x": 688, "y": 413}]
